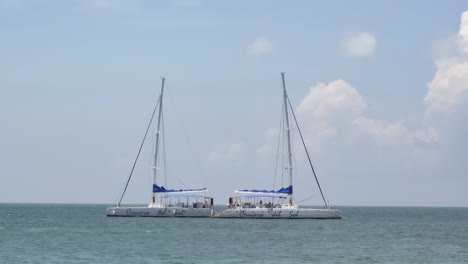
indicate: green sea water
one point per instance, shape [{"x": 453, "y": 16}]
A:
[{"x": 50, "y": 233}]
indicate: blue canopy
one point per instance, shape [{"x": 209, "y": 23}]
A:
[
  {"x": 262, "y": 195},
  {"x": 162, "y": 189},
  {"x": 183, "y": 195},
  {"x": 288, "y": 190}
]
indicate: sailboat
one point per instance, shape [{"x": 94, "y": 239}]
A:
[
  {"x": 278, "y": 204},
  {"x": 165, "y": 202}
]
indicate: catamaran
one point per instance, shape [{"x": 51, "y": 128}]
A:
[
  {"x": 165, "y": 202},
  {"x": 278, "y": 204}
]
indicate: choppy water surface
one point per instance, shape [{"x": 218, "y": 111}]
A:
[{"x": 46, "y": 233}]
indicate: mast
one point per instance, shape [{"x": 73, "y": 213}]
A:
[
  {"x": 288, "y": 136},
  {"x": 156, "y": 147}
]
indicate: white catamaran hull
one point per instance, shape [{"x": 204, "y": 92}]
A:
[
  {"x": 159, "y": 212},
  {"x": 280, "y": 213}
]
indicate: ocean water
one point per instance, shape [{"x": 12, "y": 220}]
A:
[{"x": 51, "y": 233}]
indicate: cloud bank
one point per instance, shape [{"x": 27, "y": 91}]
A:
[
  {"x": 337, "y": 104},
  {"x": 449, "y": 88},
  {"x": 407, "y": 157}
]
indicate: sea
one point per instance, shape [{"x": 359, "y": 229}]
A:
[{"x": 71, "y": 233}]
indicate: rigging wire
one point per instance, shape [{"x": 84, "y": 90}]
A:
[
  {"x": 308, "y": 198},
  {"x": 283, "y": 146},
  {"x": 277, "y": 147},
  {"x": 295, "y": 172},
  {"x": 139, "y": 151},
  {"x": 151, "y": 154},
  {"x": 307, "y": 152},
  {"x": 164, "y": 148}
]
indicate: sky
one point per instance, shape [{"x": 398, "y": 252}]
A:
[{"x": 380, "y": 90}]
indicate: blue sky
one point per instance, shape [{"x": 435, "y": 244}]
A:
[{"x": 379, "y": 88}]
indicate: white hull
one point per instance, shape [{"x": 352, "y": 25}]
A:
[
  {"x": 280, "y": 213},
  {"x": 159, "y": 212}
]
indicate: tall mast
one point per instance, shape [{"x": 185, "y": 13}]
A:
[
  {"x": 288, "y": 136},
  {"x": 156, "y": 147}
]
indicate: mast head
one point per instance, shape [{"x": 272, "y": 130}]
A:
[{"x": 284, "y": 84}]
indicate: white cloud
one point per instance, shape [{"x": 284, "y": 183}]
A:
[
  {"x": 394, "y": 134},
  {"x": 381, "y": 132},
  {"x": 360, "y": 44},
  {"x": 260, "y": 46},
  {"x": 335, "y": 98},
  {"x": 337, "y": 111},
  {"x": 328, "y": 108},
  {"x": 447, "y": 103},
  {"x": 449, "y": 88},
  {"x": 464, "y": 31}
]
